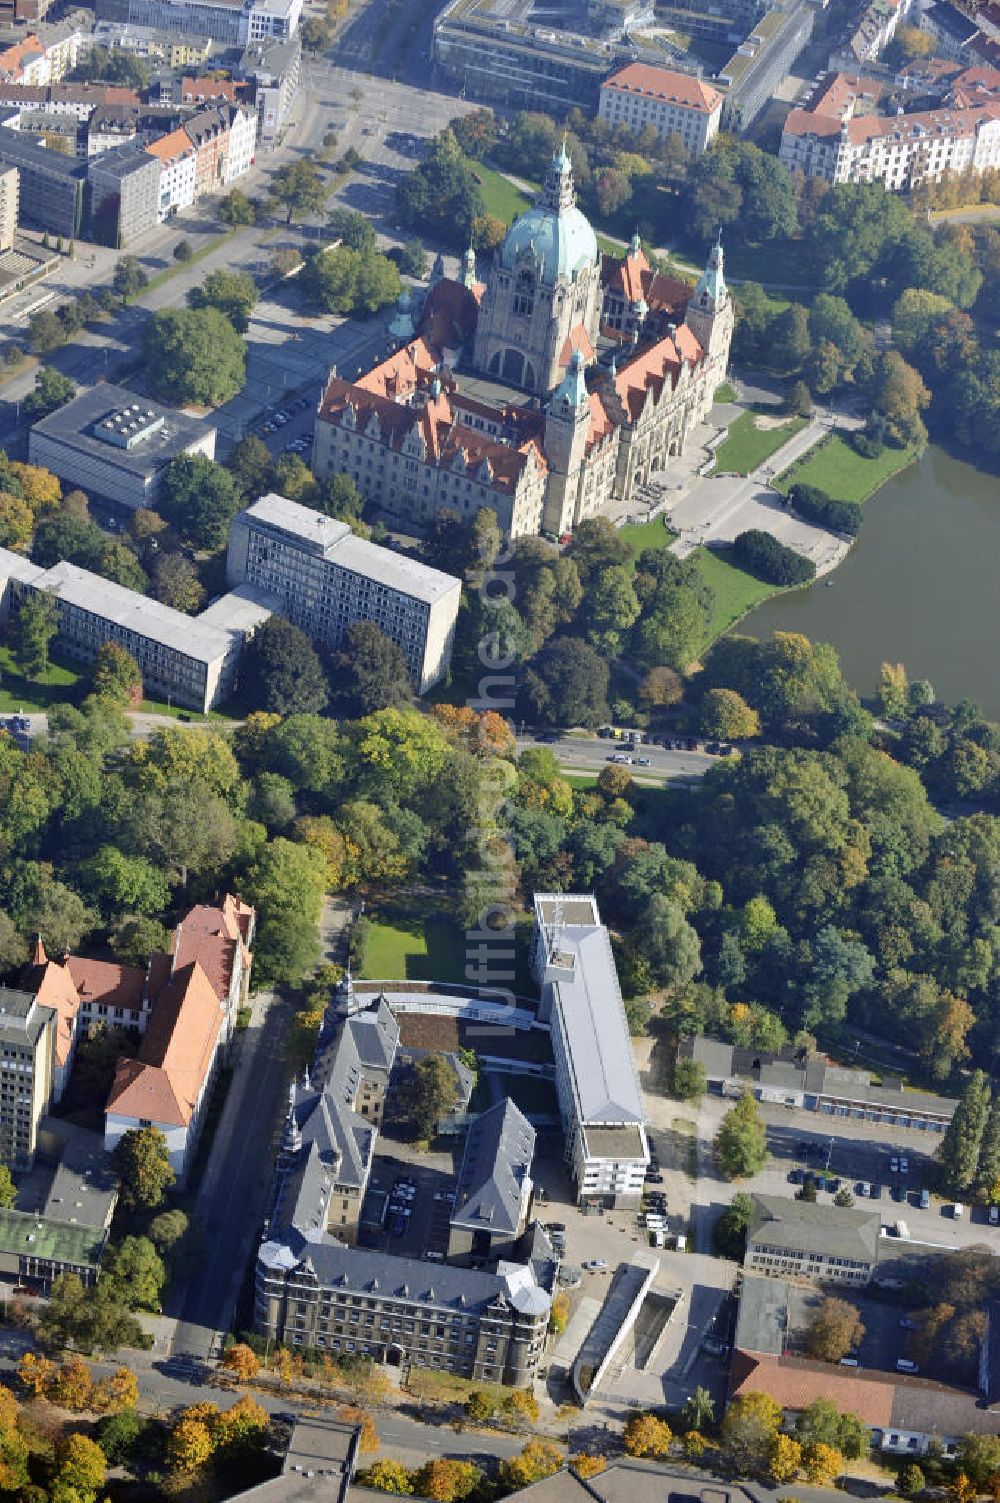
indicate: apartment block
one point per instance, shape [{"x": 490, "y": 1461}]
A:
[
  {"x": 751, "y": 76},
  {"x": 27, "y": 1063},
  {"x": 600, "y": 1099},
  {"x": 124, "y": 194},
  {"x": 51, "y": 192},
  {"x": 640, "y": 95},
  {"x": 800, "y": 1239},
  {"x": 178, "y": 172},
  {"x": 323, "y": 578},
  {"x": 273, "y": 68},
  {"x": 9, "y": 192}
]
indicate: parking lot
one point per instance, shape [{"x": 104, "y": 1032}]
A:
[{"x": 408, "y": 1202}]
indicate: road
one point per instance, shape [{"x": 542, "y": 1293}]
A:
[{"x": 232, "y": 1197}]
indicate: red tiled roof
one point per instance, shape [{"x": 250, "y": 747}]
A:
[
  {"x": 794, "y": 1383},
  {"x": 175, "y": 1055},
  {"x": 107, "y": 983},
  {"x": 167, "y": 148},
  {"x": 201, "y": 89},
  {"x": 577, "y": 339},
  {"x": 650, "y": 368},
  {"x": 53, "y": 985},
  {"x": 14, "y": 58},
  {"x": 210, "y": 935},
  {"x": 665, "y": 83},
  {"x": 449, "y": 314}
]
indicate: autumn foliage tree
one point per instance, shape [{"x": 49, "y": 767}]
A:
[
  {"x": 539, "y": 1458},
  {"x": 118, "y": 1391},
  {"x": 646, "y": 1435},
  {"x": 445, "y": 1480},
  {"x": 785, "y": 1459},
  {"x": 585, "y": 1465},
  {"x": 834, "y": 1330},
  {"x": 822, "y": 1464},
  {"x": 241, "y": 1362},
  {"x": 387, "y": 1476}
]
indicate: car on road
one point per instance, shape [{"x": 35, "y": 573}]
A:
[
  {"x": 595, "y": 1265},
  {"x": 893, "y": 1166},
  {"x": 904, "y": 1166},
  {"x": 642, "y": 761},
  {"x": 713, "y": 748},
  {"x": 620, "y": 758}
]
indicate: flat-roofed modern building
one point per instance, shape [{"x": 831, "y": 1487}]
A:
[
  {"x": 27, "y": 1065},
  {"x": 231, "y": 23},
  {"x": 600, "y": 1100},
  {"x": 323, "y": 578},
  {"x": 192, "y": 660},
  {"x": 51, "y": 184},
  {"x": 8, "y": 206},
  {"x": 114, "y": 446}
]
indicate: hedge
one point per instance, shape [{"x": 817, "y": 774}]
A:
[
  {"x": 816, "y": 506},
  {"x": 762, "y": 555}
]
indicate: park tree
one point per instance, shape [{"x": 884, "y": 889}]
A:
[
  {"x": 52, "y": 390},
  {"x": 647, "y": 1435},
  {"x": 250, "y": 464},
  {"x": 117, "y": 677},
  {"x": 284, "y": 669},
  {"x": 297, "y": 190},
  {"x": 586, "y": 1465},
  {"x": 237, "y": 209},
  {"x": 729, "y": 1233},
  {"x": 897, "y": 391},
  {"x": 199, "y": 498},
  {"x": 661, "y": 687},
  {"x": 749, "y": 1428},
  {"x": 978, "y": 1456},
  {"x": 176, "y": 583},
  {"x": 8, "y": 1190},
  {"x": 129, "y": 277},
  {"x": 117, "y": 1393},
  {"x": 668, "y": 943},
  {"x": 350, "y": 281},
  {"x": 568, "y": 685},
  {"x": 79, "y": 1471},
  {"x": 741, "y": 1142},
  {"x": 480, "y": 1407},
  {"x": 36, "y": 624},
  {"x": 72, "y": 1385},
  {"x": 726, "y": 716},
  {"x": 698, "y": 1412},
  {"x": 125, "y": 883},
  {"x": 188, "y": 1446},
  {"x": 959, "y": 1150},
  {"x": 440, "y": 198},
  {"x": 822, "y": 1421},
  {"x": 835, "y": 1328},
  {"x": 372, "y": 670},
  {"x": 233, "y": 293},
  {"x": 193, "y": 355},
  {"x": 142, "y": 1163}
]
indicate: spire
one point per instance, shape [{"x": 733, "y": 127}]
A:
[
  {"x": 635, "y": 244},
  {"x": 559, "y": 194},
  {"x": 711, "y": 286},
  {"x": 572, "y": 389},
  {"x": 38, "y": 955},
  {"x": 468, "y": 277}
]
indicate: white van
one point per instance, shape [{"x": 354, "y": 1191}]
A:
[
  {"x": 902, "y": 1230},
  {"x": 958, "y": 1211},
  {"x": 657, "y": 1238},
  {"x": 655, "y": 1223}
]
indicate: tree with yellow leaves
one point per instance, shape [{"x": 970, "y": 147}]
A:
[
  {"x": 447, "y": 1481},
  {"x": 585, "y": 1465},
  {"x": 694, "y": 1444},
  {"x": 785, "y": 1459},
  {"x": 240, "y": 1427},
  {"x": 120, "y": 1390},
  {"x": 188, "y": 1446},
  {"x": 387, "y": 1476},
  {"x": 645, "y": 1435},
  {"x": 823, "y": 1464},
  {"x": 963, "y": 1490},
  {"x": 368, "y": 1439},
  {"x": 80, "y": 1470},
  {"x": 13, "y": 1446},
  {"x": 37, "y": 1374},
  {"x": 240, "y": 1361},
  {"x": 559, "y": 1313},
  {"x": 539, "y": 1458},
  {"x": 72, "y": 1385}
]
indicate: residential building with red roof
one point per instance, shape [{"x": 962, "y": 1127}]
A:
[
  {"x": 642, "y": 95},
  {"x": 841, "y": 137},
  {"x": 545, "y": 391},
  {"x": 181, "y": 1009}
]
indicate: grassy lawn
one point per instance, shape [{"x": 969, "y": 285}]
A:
[
  {"x": 735, "y": 591},
  {"x": 178, "y": 712},
  {"x": 410, "y": 945},
  {"x": 500, "y": 197},
  {"x": 579, "y": 779},
  {"x": 446, "y": 1388},
  {"x": 838, "y": 469},
  {"x": 746, "y": 446},
  {"x": 641, "y": 536},
  {"x": 57, "y": 686}
]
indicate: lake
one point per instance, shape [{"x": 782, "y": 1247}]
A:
[{"x": 919, "y": 587}]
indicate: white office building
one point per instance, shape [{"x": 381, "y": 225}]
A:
[
  {"x": 321, "y": 577},
  {"x": 600, "y": 1099}
]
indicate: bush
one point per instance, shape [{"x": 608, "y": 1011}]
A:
[
  {"x": 763, "y": 556},
  {"x": 816, "y": 506}
]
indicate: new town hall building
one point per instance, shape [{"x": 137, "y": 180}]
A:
[{"x": 547, "y": 392}]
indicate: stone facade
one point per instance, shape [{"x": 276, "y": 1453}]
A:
[{"x": 618, "y": 364}]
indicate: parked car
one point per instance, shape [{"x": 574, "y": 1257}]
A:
[
  {"x": 863, "y": 1188},
  {"x": 595, "y": 1265},
  {"x": 904, "y": 1165},
  {"x": 655, "y": 1179},
  {"x": 894, "y": 1165},
  {"x": 898, "y": 1193},
  {"x": 795, "y": 1176},
  {"x": 925, "y": 1199},
  {"x": 904, "y": 1365},
  {"x": 906, "y": 1324},
  {"x": 994, "y": 1215}
]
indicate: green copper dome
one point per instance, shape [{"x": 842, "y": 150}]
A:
[{"x": 561, "y": 237}]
